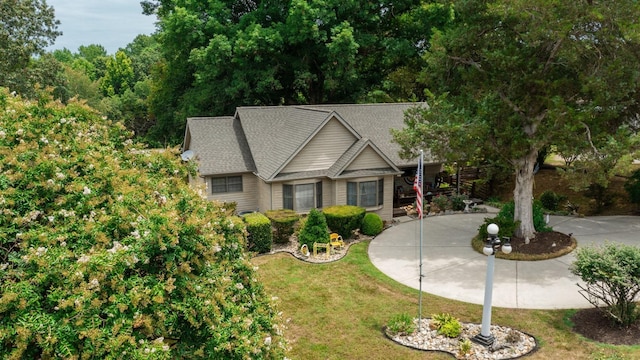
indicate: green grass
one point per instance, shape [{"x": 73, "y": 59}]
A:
[{"x": 337, "y": 311}]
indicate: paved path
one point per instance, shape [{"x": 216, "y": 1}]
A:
[{"x": 452, "y": 269}]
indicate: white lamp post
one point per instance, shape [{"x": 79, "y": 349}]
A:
[{"x": 492, "y": 245}]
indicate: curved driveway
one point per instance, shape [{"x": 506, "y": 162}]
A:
[{"x": 452, "y": 269}]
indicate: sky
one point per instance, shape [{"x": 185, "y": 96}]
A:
[{"x": 110, "y": 23}]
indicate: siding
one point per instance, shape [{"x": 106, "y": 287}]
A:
[
  {"x": 323, "y": 150},
  {"x": 264, "y": 195},
  {"x": 368, "y": 159},
  {"x": 247, "y": 200}
]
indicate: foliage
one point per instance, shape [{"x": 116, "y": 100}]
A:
[
  {"x": 482, "y": 108},
  {"x": 315, "y": 229},
  {"x": 551, "y": 201},
  {"x": 118, "y": 76},
  {"x": 283, "y": 222},
  {"x": 507, "y": 225},
  {"x": 344, "y": 219},
  {"x": 106, "y": 252},
  {"x": 293, "y": 52},
  {"x": 612, "y": 277},
  {"x": 441, "y": 203},
  {"x": 401, "y": 324},
  {"x": 632, "y": 187},
  {"x": 259, "y": 238},
  {"x": 446, "y": 324},
  {"x": 465, "y": 347},
  {"x": 372, "y": 224},
  {"x": 28, "y": 26},
  {"x": 457, "y": 201}
]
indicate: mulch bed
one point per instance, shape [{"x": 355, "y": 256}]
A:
[
  {"x": 593, "y": 324},
  {"x": 543, "y": 243}
]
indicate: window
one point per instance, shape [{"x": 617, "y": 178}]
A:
[
  {"x": 302, "y": 197},
  {"x": 365, "y": 193},
  {"x": 226, "y": 184}
]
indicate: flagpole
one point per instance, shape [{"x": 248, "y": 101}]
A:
[{"x": 421, "y": 216}]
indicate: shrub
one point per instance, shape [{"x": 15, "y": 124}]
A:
[
  {"x": 446, "y": 325},
  {"x": 344, "y": 219},
  {"x": 283, "y": 222},
  {"x": 457, "y": 201},
  {"x": 441, "y": 203},
  {"x": 401, "y": 324},
  {"x": 506, "y": 223},
  {"x": 107, "y": 253},
  {"x": 611, "y": 274},
  {"x": 314, "y": 230},
  {"x": 372, "y": 224},
  {"x": 551, "y": 201},
  {"x": 632, "y": 187},
  {"x": 259, "y": 229}
]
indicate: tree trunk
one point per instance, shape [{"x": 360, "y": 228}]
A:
[{"x": 523, "y": 194}]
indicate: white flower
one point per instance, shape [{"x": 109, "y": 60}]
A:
[
  {"x": 239, "y": 286},
  {"x": 41, "y": 251},
  {"x": 86, "y": 191},
  {"x": 20, "y": 132},
  {"x": 83, "y": 259},
  {"x": 2, "y": 134},
  {"x": 4, "y": 266},
  {"x": 44, "y": 140},
  {"x": 136, "y": 234},
  {"x": 60, "y": 176},
  {"x": 50, "y": 182},
  {"x": 267, "y": 341},
  {"x": 63, "y": 120},
  {"x": 94, "y": 284},
  {"x": 51, "y": 218}
]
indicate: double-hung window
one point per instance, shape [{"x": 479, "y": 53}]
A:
[
  {"x": 365, "y": 193},
  {"x": 302, "y": 197},
  {"x": 226, "y": 184}
]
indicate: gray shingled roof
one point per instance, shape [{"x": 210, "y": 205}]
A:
[
  {"x": 220, "y": 145},
  {"x": 264, "y": 139},
  {"x": 375, "y": 121}
]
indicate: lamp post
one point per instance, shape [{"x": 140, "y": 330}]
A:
[{"x": 492, "y": 245}]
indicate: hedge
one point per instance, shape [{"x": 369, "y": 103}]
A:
[
  {"x": 283, "y": 222},
  {"x": 259, "y": 237},
  {"x": 344, "y": 219}
]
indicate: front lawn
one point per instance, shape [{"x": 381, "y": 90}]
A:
[{"x": 337, "y": 311}]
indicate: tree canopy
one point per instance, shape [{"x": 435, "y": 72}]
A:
[
  {"x": 511, "y": 77},
  {"x": 224, "y": 54},
  {"x": 26, "y": 28}
]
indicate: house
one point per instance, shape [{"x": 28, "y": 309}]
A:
[{"x": 305, "y": 156}]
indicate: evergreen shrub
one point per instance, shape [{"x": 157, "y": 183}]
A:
[
  {"x": 506, "y": 223},
  {"x": 457, "y": 201},
  {"x": 283, "y": 222},
  {"x": 315, "y": 230},
  {"x": 107, "y": 253},
  {"x": 344, "y": 219},
  {"x": 551, "y": 201},
  {"x": 259, "y": 238},
  {"x": 372, "y": 224}
]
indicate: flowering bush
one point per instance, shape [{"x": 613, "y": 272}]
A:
[{"x": 106, "y": 253}]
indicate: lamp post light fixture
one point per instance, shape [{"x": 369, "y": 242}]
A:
[{"x": 492, "y": 245}]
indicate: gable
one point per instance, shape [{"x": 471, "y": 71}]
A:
[
  {"x": 323, "y": 150},
  {"x": 367, "y": 159}
]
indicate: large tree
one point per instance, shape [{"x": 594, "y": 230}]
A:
[
  {"x": 26, "y": 28},
  {"x": 511, "y": 77},
  {"x": 221, "y": 54}
]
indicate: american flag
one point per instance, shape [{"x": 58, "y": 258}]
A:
[{"x": 417, "y": 187}]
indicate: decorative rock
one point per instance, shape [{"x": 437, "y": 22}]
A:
[{"x": 430, "y": 340}]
